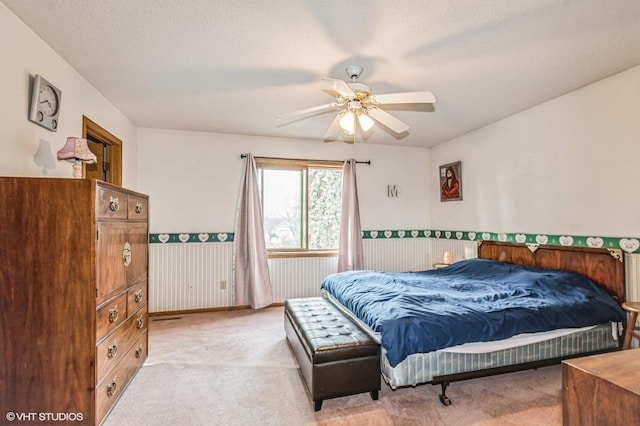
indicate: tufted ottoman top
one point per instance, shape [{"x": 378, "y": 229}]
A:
[{"x": 328, "y": 335}]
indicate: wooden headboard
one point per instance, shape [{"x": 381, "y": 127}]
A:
[{"x": 605, "y": 267}]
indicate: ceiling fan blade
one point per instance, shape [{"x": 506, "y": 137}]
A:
[
  {"x": 388, "y": 120},
  {"x": 340, "y": 87},
  {"x": 319, "y": 108},
  {"x": 425, "y": 97},
  {"x": 334, "y": 128}
]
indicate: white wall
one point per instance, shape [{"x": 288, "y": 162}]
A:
[
  {"x": 193, "y": 178},
  {"x": 28, "y": 149},
  {"x": 567, "y": 166}
]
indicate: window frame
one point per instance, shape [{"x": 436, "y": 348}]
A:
[{"x": 304, "y": 165}]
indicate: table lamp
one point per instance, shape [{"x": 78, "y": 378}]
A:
[{"x": 77, "y": 152}]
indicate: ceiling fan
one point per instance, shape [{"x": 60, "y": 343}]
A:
[{"x": 358, "y": 107}]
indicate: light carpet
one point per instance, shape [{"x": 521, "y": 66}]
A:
[{"x": 235, "y": 368}]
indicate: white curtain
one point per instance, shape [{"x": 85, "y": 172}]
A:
[
  {"x": 350, "y": 248},
  {"x": 251, "y": 273}
]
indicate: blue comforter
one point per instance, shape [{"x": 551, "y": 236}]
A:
[{"x": 474, "y": 300}]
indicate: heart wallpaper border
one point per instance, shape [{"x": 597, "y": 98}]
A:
[{"x": 627, "y": 244}]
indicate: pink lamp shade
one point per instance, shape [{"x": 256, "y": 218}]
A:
[{"x": 77, "y": 152}]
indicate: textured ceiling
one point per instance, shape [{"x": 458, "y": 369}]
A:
[{"x": 232, "y": 66}]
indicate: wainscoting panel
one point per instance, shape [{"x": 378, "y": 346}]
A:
[
  {"x": 299, "y": 276},
  {"x": 632, "y": 275},
  {"x": 459, "y": 250},
  {"x": 397, "y": 254},
  {"x": 189, "y": 276}
]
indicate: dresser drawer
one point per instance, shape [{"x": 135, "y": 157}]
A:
[
  {"x": 112, "y": 349},
  {"x": 108, "y": 392},
  {"x": 110, "y": 315},
  {"x": 113, "y": 251},
  {"x": 111, "y": 204},
  {"x": 140, "y": 348},
  {"x": 138, "y": 239},
  {"x": 136, "y": 297},
  {"x": 137, "y": 207}
]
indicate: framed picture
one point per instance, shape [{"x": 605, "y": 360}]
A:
[{"x": 451, "y": 182}]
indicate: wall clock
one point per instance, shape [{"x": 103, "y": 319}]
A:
[{"x": 45, "y": 104}]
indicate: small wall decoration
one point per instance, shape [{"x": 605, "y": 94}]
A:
[
  {"x": 451, "y": 182},
  {"x": 45, "y": 104}
]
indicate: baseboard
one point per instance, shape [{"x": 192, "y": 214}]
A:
[{"x": 199, "y": 311}]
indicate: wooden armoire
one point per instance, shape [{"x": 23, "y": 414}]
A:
[{"x": 73, "y": 297}]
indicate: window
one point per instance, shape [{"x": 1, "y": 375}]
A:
[{"x": 301, "y": 204}]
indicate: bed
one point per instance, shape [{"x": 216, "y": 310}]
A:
[{"x": 515, "y": 307}]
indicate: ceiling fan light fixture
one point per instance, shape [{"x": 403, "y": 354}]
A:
[
  {"x": 348, "y": 123},
  {"x": 366, "y": 122}
]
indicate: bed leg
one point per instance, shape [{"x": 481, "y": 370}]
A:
[{"x": 444, "y": 399}]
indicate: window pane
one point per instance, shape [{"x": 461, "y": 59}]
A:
[
  {"x": 325, "y": 195},
  {"x": 281, "y": 200}
]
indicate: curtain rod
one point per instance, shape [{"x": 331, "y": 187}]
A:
[{"x": 303, "y": 159}]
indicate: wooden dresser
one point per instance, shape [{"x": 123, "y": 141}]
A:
[
  {"x": 602, "y": 389},
  {"x": 73, "y": 298}
]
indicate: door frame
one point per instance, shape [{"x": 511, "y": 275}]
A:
[{"x": 90, "y": 129}]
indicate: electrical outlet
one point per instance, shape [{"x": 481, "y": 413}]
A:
[{"x": 223, "y": 284}]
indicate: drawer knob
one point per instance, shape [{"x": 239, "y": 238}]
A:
[
  {"x": 114, "y": 204},
  {"x": 126, "y": 254},
  {"x": 139, "y": 352},
  {"x": 113, "y": 314},
  {"x": 112, "y": 350},
  {"x": 140, "y": 322},
  {"x": 138, "y": 296},
  {"x": 139, "y": 208},
  {"x": 111, "y": 388}
]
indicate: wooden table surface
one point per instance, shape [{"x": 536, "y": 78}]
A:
[{"x": 602, "y": 389}]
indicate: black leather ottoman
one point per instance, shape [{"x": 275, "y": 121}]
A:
[{"x": 336, "y": 357}]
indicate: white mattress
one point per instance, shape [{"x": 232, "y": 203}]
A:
[{"x": 512, "y": 342}]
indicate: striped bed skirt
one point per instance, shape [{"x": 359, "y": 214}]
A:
[{"x": 424, "y": 367}]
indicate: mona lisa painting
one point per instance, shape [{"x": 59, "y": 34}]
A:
[{"x": 451, "y": 182}]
